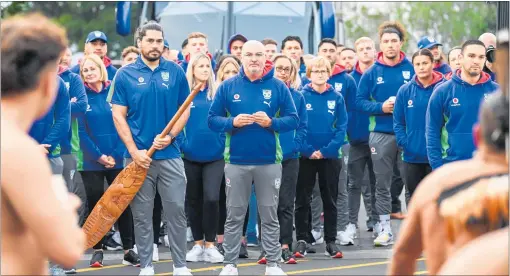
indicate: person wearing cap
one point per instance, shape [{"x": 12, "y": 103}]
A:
[
  {"x": 97, "y": 43},
  {"x": 430, "y": 43},
  {"x": 235, "y": 45},
  {"x": 376, "y": 96}
]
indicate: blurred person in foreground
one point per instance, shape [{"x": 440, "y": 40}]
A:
[
  {"x": 424, "y": 229},
  {"x": 39, "y": 218}
]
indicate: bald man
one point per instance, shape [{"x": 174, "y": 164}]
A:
[{"x": 251, "y": 108}]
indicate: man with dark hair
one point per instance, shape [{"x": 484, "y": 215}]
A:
[
  {"x": 347, "y": 59},
  {"x": 339, "y": 48},
  {"x": 184, "y": 50},
  {"x": 292, "y": 46},
  {"x": 430, "y": 43},
  {"x": 97, "y": 43},
  {"x": 271, "y": 47},
  {"x": 39, "y": 218},
  {"x": 235, "y": 45},
  {"x": 377, "y": 91},
  {"x": 453, "y": 108},
  {"x": 162, "y": 85}
]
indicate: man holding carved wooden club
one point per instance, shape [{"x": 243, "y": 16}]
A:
[
  {"x": 146, "y": 95},
  {"x": 253, "y": 108}
]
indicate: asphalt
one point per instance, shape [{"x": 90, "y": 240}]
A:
[{"x": 360, "y": 259}]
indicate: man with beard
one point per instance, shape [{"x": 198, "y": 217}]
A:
[
  {"x": 430, "y": 43},
  {"x": 162, "y": 87},
  {"x": 252, "y": 108},
  {"x": 347, "y": 59},
  {"x": 454, "y": 105},
  {"x": 96, "y": 43},
  {"x": 376, "y": 96}
]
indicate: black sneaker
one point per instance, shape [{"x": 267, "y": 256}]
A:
[
  {"x": 262, "y": 258},
  {"x": 243, "y": 253},
  {"x": 70, "y": 271},
  {"x": 300, "y": 251},
  {"x": 287, "y": 257},
  {"x": 310, "y": 249},
  {"x": 333, "y": 251},
  {"x": 219, "y": 246},
  {"x": 131, "y": 258},
  {"x": 110, "y": 244},
  {"x": 97, "y": 259}
]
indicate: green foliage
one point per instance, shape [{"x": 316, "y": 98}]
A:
[
  {"x": 451, "y": 23},
  {"x": 80, "y": 18}
]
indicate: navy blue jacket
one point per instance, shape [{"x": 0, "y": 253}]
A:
[
  {"x": 409, "y": 118},
  {"x": 379, "y": 83},
  {"x": 253, "y": 144}
]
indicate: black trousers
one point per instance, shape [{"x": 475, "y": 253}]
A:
[
  {"x": 203, "y": 196},
  {"x": 413, "y": 174},
  {"x": 94, "y": 187},
  {"x": 329, "y": 172},
  {"x": 156, "y": 217},
  {"x": 223, "y": 212}
]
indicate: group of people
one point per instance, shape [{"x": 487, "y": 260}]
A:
[{"x": 299, "y": 128}]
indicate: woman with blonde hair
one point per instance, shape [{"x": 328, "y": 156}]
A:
[
  {"x": 101, "y": 152},
  {"x": 203, "y": 161},
  {"x": 286, "y": 70},
  {"x": 228, "y": 66}
]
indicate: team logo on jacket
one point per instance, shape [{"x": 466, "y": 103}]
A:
[
  {"x": 236, "y": 98},
  {"x": 372, "y": 149},
  {"x": 410, "y": 103},
  {"x": 406, "y": 74},
  {"x": 266, "y": 94},
  {"x": 455, "y": 102},
  {"x": 309, "y": 107},
  {"x": 165, "y": 76},
  {"x": 331, "y": 104},
  {"x": 338, "y": 87},
  {"x": 380, "y": 80},
  {"x": 141, "y": 79}
]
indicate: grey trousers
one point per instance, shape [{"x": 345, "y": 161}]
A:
[
  {"x": 238, "y": 181},
  {"x": 169, "y": 178},
  {"x": 361, "y": 182},
  {"x": 57, "y": 165},
  {"x": 385, "y": 154},
  {"x": 342, "y": 200},
  {"x": 73, "y": 185}
]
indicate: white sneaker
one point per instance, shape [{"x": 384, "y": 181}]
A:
[
  {"x": 351, "y": 231},
  {"x": 135, "y": 250},
  {"x": 155, "y": 253},
  {"x": 385, "y": 238},
  {"x": 377, "y": 230},
  {"x": 274, "y": 270},
  {"x": 212, "y": 255},
  {"x": 116, "y": 237},
  {"x": 229, "y": 269},
  {"x": 149, "y": 270},
  {"x": 317, "y": 235},
  {"x": 343, "y": 238},
  {"x": 167, "y": 242},
  {"x": 189, "y": 235},
  {"x": 182, "y": 271},
  {"x": 196, "y": 254}
]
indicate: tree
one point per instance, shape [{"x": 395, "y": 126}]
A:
[{"x": 80, "y": 18}]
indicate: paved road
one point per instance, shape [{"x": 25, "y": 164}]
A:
[{"x": 359, "y": 259}]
